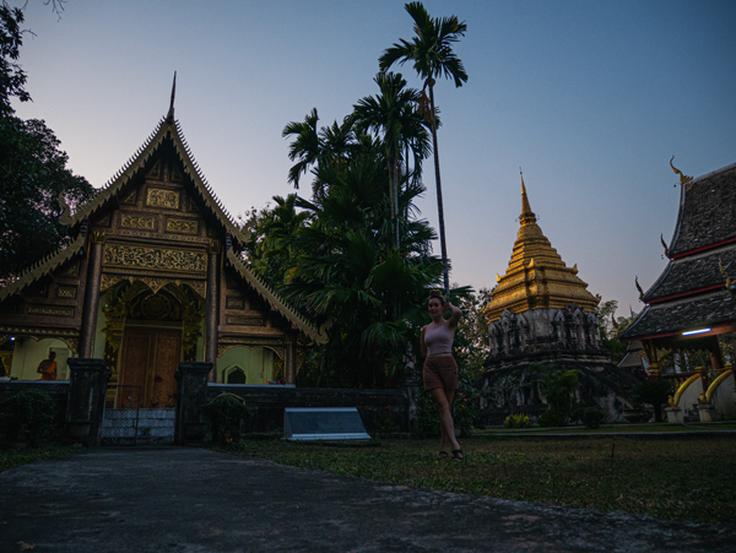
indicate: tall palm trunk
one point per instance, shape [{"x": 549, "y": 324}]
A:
[{"x": 440, "y": 210}]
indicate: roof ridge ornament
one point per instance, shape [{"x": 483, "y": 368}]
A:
[
  {"x": 684, "y": 179},
  {"x": 170, "y": 114},
  {"x": 638, "y": 287}
]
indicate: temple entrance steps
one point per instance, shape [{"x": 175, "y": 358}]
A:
[{"x": 138, "y": 426}]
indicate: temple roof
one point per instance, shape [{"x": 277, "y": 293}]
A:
[
  {"x": 707, "y": 215},
  {"x": 270, "y": 297},
  {"x": 43, "y": 267},
  {"x": 167, "y": 128},
  {"x": 536, "y": 276},
  {"x": 676, "y": 316},
  {"x": 691, "y": 290},
  {"x": 693, "y": 274}
]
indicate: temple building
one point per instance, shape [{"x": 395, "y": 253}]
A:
[
  {"x": 153, "y": 275},
  {"x": 541, "y": 316},
  {"x": 687, "y": 328}
]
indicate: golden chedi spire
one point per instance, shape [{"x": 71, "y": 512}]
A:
[{"x": 536, "y": 277}]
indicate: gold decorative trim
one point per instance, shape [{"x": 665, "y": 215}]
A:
[
  {"x": 182, "y": 226},
  {"x": 50, "y": 310},
  {"x": 108, "y": 281},
  {"x": 163, "y": 197},
  {"x": 141, "y": 222},
  {"x": 143, "y": 257},
  {"x": 68, "y": 292},
  {"x": 45, "y": 332}
]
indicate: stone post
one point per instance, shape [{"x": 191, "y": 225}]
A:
[
  {"x": 86, "y": 399},
  {"x": 191, "y": 378},
  {"x": 706, "y": 412},
  {"x": 674, "y": 415}
]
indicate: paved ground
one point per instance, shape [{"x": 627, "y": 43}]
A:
[{"x": 196, "y": 500}]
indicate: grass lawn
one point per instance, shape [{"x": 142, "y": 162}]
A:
[
  {"x": 681, "y": 479},
  {"x": 13, "y": 458},
  {"x": 612, "y": 428}
]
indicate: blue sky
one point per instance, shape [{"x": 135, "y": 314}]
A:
[{"x": 591, "y": 98}]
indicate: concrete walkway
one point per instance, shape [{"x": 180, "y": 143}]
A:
[{"x": 196, "y": 500}]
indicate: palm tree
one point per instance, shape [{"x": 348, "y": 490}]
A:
[
  {"x": 317, "y": 149},
  {"x": 431, "y": 53},
  {"x": 392, "y": 116}
]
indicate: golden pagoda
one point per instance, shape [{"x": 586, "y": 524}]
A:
[{"x": 536, "y": 277}]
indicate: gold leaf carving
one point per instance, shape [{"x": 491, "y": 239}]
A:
[
  {"x": 183, "y": 226},
  {"x": 141, "y": 257},
  {"x": 142, "y": 222},
  {"x": 66, "y": 292},
  {"x": 161, "y": 197}
]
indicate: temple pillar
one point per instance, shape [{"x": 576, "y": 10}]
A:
[
  {"x": 91, "y": 296},
  {"x": 211, "y": 307},
  {"x": 290, "y": 359}
]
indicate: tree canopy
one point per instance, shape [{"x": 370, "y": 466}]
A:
[{"x": 33, "y": 168}]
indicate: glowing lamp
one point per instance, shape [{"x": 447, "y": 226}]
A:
[{"x": 697, "y": 331}]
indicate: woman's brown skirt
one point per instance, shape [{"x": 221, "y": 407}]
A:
[{"x": 440, "y": 371}]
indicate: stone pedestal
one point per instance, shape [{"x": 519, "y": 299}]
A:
[
  {"x": 706, "y": 412},
  {"x": 191, "y": 378},
  {"x": 674, "y": 415},
  {"x": 86, "y": 400}
]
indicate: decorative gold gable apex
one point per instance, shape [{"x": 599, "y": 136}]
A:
[
  {"x": 269, "y": 296},
  {"x": 113, "y": 188}
]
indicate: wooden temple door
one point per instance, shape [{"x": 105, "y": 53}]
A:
[{"x": 150, "y": 357}]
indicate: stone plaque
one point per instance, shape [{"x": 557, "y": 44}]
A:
[
  {"x": 162, "y": 197},
  {"x": 323, "y": 424}
]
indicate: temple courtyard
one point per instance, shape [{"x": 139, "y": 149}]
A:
[{"x": 197, "y": 500}]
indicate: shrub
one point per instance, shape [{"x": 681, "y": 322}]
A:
[
  {"x": 592, "y": 416},
  {"x": 30, "y": 417},
  {"x": 226, "y": 413},
  {"x": 552, "y": 417},
  {"x": 517, "y": 421}
]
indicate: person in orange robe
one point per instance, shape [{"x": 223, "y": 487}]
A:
[{"x": 47, "y": 367}]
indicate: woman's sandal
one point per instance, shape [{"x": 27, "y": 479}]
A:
[
  {"x": 458, "y": 455},
  {"x": 443, "y": 454}
]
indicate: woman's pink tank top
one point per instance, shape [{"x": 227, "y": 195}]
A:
[{"x": 438, "y": 339}]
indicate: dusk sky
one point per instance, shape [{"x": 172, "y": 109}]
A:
[{"x": 591, "y": 98}]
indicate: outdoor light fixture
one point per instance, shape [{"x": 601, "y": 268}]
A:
[
  {"x": 12, "y": 338},
  {"x": 698, "y": 331}
]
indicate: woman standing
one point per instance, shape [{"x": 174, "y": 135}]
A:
[{"x": 440, "y": 370}]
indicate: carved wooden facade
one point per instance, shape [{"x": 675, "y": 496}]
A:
[{"x": 154, "y": 249}]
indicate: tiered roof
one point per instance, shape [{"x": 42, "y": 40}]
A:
[
  {"x": 690, "y": 293},
  {"x": 536, "y": 276}
]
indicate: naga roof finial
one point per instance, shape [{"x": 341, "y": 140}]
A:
[
  {"x": 170, "y": 115},
  {"x": 664, "y": 245},
  {"x": 684, "y": 179},
  {"x": 638, "y": 287}
]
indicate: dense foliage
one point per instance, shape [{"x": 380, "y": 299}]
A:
[
  {"x": 335, "y": 254},
  {"x": 354, "y": 256},
  {"x": 33, "y": 169}
]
